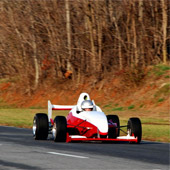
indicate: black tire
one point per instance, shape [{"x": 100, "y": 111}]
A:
[
  {"x": 40, "y": 126},
  {"x": 59, "y": 130},
  {"x": 135, "y": 128},
  {"x": 103, "y": 136},
  {"x": 112, "y": 131}
]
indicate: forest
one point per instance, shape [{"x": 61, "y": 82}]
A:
[{"x": 55, "y": 40}]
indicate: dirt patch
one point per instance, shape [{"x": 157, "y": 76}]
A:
[{"x": 4, "y": 86}]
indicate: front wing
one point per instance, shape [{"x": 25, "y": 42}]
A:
[{"x": 118, "y": 139}]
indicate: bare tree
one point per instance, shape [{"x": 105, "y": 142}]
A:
[
  {"x": 164, "y": 29},
  {"x": 44, "y": 40},
  {"x": 68, "y": 28}
]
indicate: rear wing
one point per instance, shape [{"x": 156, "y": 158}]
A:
[{"x": 57, "y": 107}]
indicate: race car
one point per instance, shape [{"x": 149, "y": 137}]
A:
[{"x": 84, "y": 122}]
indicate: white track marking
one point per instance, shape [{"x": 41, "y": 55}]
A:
[{"x": 63, "y": 154}]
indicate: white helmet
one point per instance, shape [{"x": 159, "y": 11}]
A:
[{"x": 87, "y": 104}]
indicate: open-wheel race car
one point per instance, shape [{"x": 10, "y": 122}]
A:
[{"x": 85, "y": 122}]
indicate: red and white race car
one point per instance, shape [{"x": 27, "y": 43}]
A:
[{"x": 85, "y": 122}]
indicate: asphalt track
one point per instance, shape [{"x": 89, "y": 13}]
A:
[{"x": 18, "y": 150}]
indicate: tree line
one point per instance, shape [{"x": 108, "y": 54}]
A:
[{"x": 75, "y": 39}]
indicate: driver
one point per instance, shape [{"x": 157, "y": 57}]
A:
[{"x": 87, "y": 105}]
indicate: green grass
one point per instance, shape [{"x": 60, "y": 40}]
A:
[
  {"x": 167, "y": 76},
  {"x": 106, "y": 106},
  {"x": 22, "y": 117},
  {"x": 159, "y": 133},
  {"x": 118, "y": 109},
  {"x": 36, "y": 107},
  {"x": 17, "y": 117},
  {"x": 163, "y": 67},
  {"x": 160, "y": 69},
  {"x": 161, "y": 100},
  {"x": 131, "y": 107}
]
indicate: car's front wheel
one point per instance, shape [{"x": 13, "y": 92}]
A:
[
  {"x": 135, "y": 128},
  {"x": 59, "y": 129},
  {"x": 40, "y": 126}
]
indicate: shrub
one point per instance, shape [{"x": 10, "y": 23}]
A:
[
  {"x": 161, "y": 100},
  {"x": 117, "y": 109},
  {"x": 131, "y": 107}
]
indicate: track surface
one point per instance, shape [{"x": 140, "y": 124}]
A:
[{"x": 18, "y": 150}]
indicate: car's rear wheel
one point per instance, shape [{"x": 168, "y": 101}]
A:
[
  {"x": 113, "y": 132},
  {"x": 135, "y": 128},
  {"x": 59, "y": 129},
  {"x": 40, "y": 126}
]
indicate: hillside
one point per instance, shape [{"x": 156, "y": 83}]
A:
[{"x": 117, "y": 91}]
